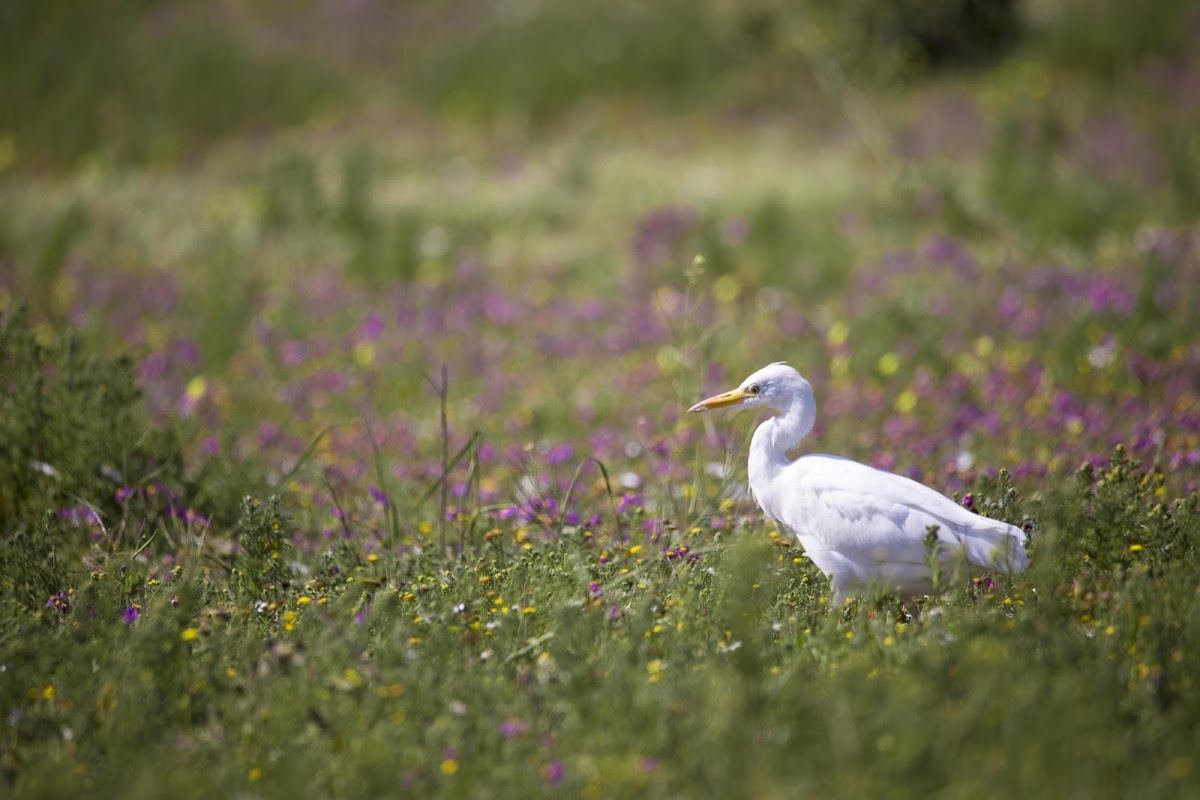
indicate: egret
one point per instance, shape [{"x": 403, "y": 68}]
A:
[{"x": 861, "y": 526}]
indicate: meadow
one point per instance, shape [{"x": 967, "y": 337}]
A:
[{"x": 345, "y": 356}]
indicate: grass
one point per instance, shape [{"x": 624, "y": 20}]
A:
[{"x": 249, "y": 549}]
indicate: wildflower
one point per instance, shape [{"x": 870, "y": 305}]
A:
[
  {"x": 130, "y": 615},
  {"x": 60, "y": 602},
  {"x": 194, "y": 519},
  {"x": 513, "y": 727},
  {"x": 123, "y": 494},
  {"x": 594, "y": 589},
  {"x": 80, "y": 515},
  {"x": 554, "y": 772},
  {"x": 379, "y": 496},
  {"x": 906, "y": 401},
  {"x": 968, "y": 501},
  {"x": 655, "y": 669},
  {"x": 629, "y": 500},
  {"x": 254, "y": 774},
  {"x": 559, "y": 454},
  {"x": 189, "y": 634},
  {"x": 303, "y": 600},
  {"x": 838, "y": 333},
  {"x": 1136, "y": 548},
  {"x": 449, "y": 766}
]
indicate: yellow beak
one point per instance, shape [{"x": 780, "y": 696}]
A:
[{"x": 721, "y": 400}]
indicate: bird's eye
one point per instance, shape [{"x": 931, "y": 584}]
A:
[{"x": 754, "y": 388}]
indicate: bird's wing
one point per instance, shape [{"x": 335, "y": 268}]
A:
[{"x": 877, "y": 517}]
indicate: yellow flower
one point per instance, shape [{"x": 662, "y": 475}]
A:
[
  {"x": 254, "y": 774},
  {"x": 1136, "y": 548},
  {"x": 364, "y": 353},
  {"x": 449, "y": 766},
  {"x": 373, "y": 557},
  {"x": 48, "y": 692},
  {"x": 196, "y": 387},
  {"x": 655, "y": 669},
  {"x": 289, "y": 620},
  {"x": 189, "y": 634},
  {"x": 303, "y": 600},
  {"x": 633, "y": 551}
]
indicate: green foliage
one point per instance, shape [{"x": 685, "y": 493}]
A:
[
  {"x": 143, "y": 82},
  {"x": 31, "y": 570},
  {"x": 262, "y": 537},
  {"x": 726, "y": 675},
  {"x": 382, "y": 249},
  {"x": 542, "y": 59},
  {"x": 889, "y": 40},
  {"x": 1105, "y": 37},
  {"x": 69, "y": 427}
]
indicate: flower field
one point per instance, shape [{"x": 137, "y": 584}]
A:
[{"x": 345, "y": 450}]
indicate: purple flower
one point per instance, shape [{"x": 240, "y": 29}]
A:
[
  {"x": 60, "y": 602},
  {"x": 559, "y": 454},
  {"x": 195, "y": 518},
  {"x": 130, "y": 615},
  {"x": 968, "y": 501},
  {"x": 80, "y": 516},
  {"x": 513, "y": 727},
  {"x": 292, "y": 353},
  {"x": 629, "y": 500},
  {"x": 268, "y": 433},
  {"x": 378, "y": 496},
  {"x": 595, "y": 589},
  {"x": 554, "y": 772},
  {"x": 123, "y": 494},
  {"x": 371, "y": 328}
]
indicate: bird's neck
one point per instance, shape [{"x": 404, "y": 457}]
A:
[{"x": 774, "y": 439}]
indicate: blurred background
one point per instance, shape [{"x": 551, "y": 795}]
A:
[{"x": 289, "y": 215}]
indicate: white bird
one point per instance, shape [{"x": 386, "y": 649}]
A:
[{"x": 861, "y": 526}]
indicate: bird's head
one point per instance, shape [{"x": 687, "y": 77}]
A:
[{"x": 776, "y": 387}]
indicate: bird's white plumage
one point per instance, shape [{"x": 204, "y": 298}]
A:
[{"x": 861, "y": 526}]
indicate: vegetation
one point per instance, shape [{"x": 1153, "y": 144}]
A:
[{"x": 344, "y": 357}]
